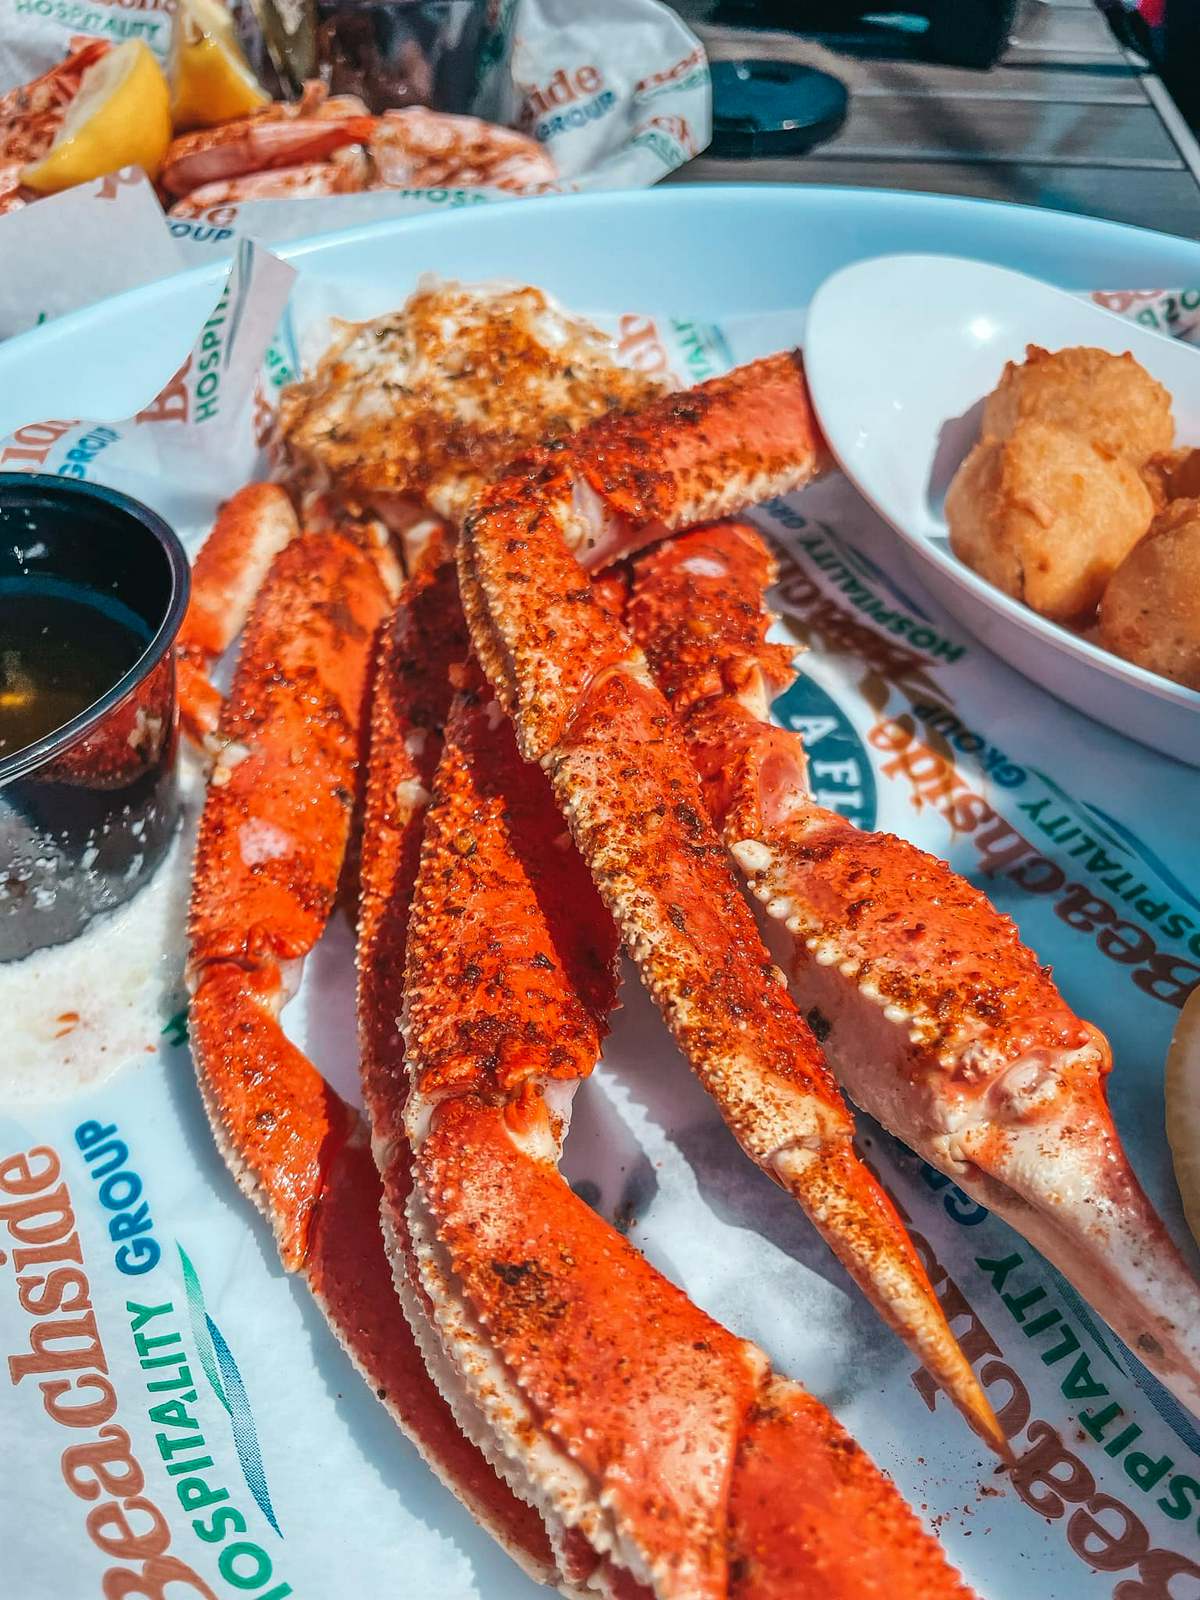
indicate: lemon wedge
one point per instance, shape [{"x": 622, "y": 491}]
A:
[
  {"x": 1183, "y": 1108},
  {"x": 119, "y": 118},
  {"x": 211, "y": 80}
]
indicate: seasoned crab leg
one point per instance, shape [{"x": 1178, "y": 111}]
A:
[
  {"x": 423, "y": 651},
  {"x": 422, "y": 644},
  {"x": 605, "y": 1396},
  {"x": 268, "y": 857},
  {"x": 423, "y": 654},
  {"x": 252, "y": 527},
  {"x": 941, "y": 1023},
  {"x": 32, "y": 113},
  {"x": 270, "y": 850},
  {"x": 586, "y": 709},
  {"x": 280, "y": 135}
]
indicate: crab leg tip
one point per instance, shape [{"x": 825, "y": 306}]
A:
[{"x": 856, "y": 1219}]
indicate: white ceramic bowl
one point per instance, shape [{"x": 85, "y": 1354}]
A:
[{"x": 900, "y": 352}]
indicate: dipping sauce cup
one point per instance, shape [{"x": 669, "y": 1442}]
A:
[{"x": 93, "y": 588}]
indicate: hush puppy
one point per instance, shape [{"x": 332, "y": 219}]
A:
[
  {"x": 1111, "y": 400},
  {"x": 1047, "y": 515},
  {"x": 1173, "y": 476},
  {"x": 1150, "y": 613}
]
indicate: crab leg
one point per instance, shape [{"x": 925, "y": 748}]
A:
[
  {"x": 252, "y": 527},
  {"x": 623, "y": 1411},
  {"x": 586, "y": 708},
  {"x": 423, "y": 648},
  {"x": 32, "y": 113},
  {"x": 941, "y": 1023},
  {"x": 422, "y": 644},
  {"x": 256, "y": 144},
  {"x": 271, "y": 845},
  {"x": 268, "y": 857}
]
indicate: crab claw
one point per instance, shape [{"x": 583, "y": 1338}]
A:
[
  {"x": 1043, "y": 1153},
  {"x": 958, "y": 1041},
  {"x": 936, "y": 1019}
]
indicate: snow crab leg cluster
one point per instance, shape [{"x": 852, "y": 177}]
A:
[
  {"x": 610, "y": 1435},
  {"x": 586, "y": 708},
  {"x": 708, "y": 1475},
  {"x": 270, "y": 853}
]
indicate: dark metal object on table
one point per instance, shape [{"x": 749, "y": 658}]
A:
[
  {"x": 282, "y": 44},
  {"x": 391, "y": 53},
  {"x": 960, "y": 33},
  {"x": 773, "y": 108},
  {"x": 88, "y": 811},
  {"x": 418, "y": 52}
]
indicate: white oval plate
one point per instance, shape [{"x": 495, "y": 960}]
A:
[
  {"x": 900, "y": 353},
  {"x": 361, "y": 1513}
]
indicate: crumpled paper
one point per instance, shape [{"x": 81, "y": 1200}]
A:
[
  {"x": 56, "y": 255},
  {"x": 1086, "y": 839}
]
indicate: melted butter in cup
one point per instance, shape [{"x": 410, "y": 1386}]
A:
[{"x": 93, "y": 588}]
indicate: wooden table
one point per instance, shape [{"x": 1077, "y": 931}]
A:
[{"x": 1066, "y": 119}]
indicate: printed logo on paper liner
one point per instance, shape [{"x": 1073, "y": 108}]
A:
[
  {"x": 103, "y": 21},
  {"x": 839, "y": 768},
  {"x": 1093, "y": 873},
  {"x": 75, "y": 1363},
  {"x": 1105, "y": 1387}
]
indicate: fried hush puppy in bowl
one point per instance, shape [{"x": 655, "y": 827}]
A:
[
  {"x": 1111, "y": 400},
  {"x": 1174, "y": 475},
  {"x": 1150, "y": 613},
  {"x": 1052, "y": 498},
  {"x": 1075, "y": 501},
  {"x": 1047, "y": 516}
]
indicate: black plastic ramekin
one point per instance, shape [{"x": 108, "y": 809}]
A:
[{"x": 88, "y": 812}]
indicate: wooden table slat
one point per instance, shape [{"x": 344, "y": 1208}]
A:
[
  {"x": 1112, "y": 82},
  {"x": 1032, "y": 55},
  {"x": 919, "y": 129},
  {"x": 1015, "y": 87},
  {"x": 1062, "y": 30},
  {"x": 1151, "y": 199}
]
